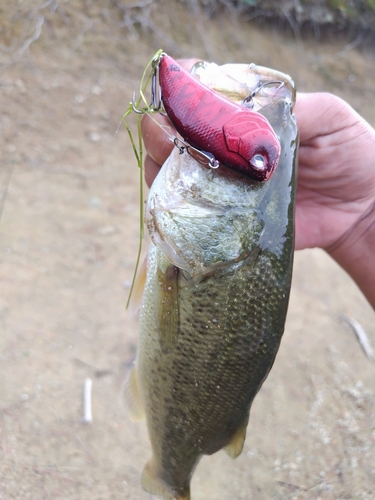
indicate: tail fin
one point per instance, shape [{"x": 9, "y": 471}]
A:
[{"x": 154, "y": 485}]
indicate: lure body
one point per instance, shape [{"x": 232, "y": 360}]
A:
[{"x": 239, "y": 138}]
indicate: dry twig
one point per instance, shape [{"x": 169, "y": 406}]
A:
[
  {"x": 361, "y": 335},
  {"x": 33, "y": 37},
  {"x": 87, "y": 404}
]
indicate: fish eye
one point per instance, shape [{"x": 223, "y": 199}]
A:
[{"x": 259, "y": 162}]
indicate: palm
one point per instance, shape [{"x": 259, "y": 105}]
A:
[{"x": 336, "y": 183}]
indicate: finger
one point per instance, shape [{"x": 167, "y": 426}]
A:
[
  {"x": 309, "y": 111},
  {"x": 321, "y": 114},
  {"x": 151, "y": 170},
  {"x": 157, "y": 132},
  {"x": 157, "y": 142}
]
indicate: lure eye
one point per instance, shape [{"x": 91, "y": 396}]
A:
[{"x": 259, "y": 162}]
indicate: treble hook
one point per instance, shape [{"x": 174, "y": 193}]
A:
[
  {"x": 248, "y": 101},
  {"x": 203, "y": 157},
  {"x": 181, "y": 149}
]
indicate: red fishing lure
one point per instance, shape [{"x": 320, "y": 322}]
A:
[{"x": 239, "y": 138}]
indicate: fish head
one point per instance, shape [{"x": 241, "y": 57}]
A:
[{"x": 203, "y": 219}]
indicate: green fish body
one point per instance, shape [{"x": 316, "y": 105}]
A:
[{"x": 214, "y": 304}]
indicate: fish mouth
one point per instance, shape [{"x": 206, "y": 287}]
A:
[{"x": 248, "y": 84}]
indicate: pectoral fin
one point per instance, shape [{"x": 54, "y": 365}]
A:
[
  {"x": 234, "y": 448},
  {"x": 168, "y": 308},
  {"x": 152, "y": 484},
  {"x": 133, "y": 398},
  {"x": 139, "y": 285}
]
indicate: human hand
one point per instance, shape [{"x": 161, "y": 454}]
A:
[
  {"x": 335, "y": 207},
  {"x": 336, "y": 175}
]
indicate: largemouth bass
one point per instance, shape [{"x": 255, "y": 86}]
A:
[{"x": 215, "y": 297}]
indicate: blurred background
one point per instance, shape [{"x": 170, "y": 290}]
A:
[{"x": 69, "y": 230}]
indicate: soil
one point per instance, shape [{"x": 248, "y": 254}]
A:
[{"x": 69, "y": 235}]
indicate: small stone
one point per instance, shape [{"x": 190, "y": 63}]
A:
[
  {"x": 94, "y": 137},
  {"x": 96, "y": 90},
  {"x": 106, "y": 230}
]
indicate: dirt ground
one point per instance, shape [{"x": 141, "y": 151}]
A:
[{"x": 68, "y": 242}]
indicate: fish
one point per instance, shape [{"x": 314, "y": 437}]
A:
[{"x": 216, "y": 287}]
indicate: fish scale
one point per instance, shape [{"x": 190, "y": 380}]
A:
[{"x": 237, "y": 356}]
